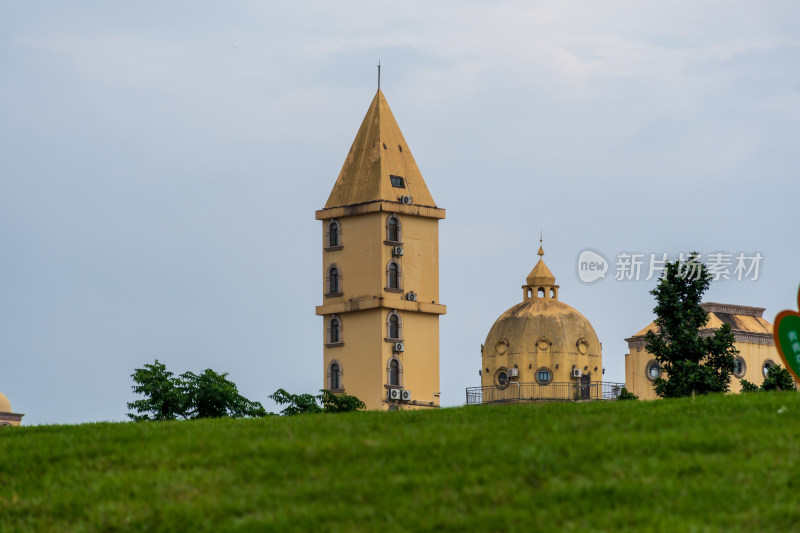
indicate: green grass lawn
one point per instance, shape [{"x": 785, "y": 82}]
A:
[{"x": 715, "y": 463}]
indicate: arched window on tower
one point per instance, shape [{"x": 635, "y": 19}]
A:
[
  {"x": 335, "y": 330},
  {"x": 333, "y": 234},
  {"x": 394, "y": 372},
  {"x": 393, "y": 275},
  {"x": 394, "y": 326},
  {"x": 393, "y": 229},
  {"x": 335, "y": 376},
  {"x": 334, "y": 279}
]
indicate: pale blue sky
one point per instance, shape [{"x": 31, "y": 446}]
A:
[{"x": 160, "y": 165}]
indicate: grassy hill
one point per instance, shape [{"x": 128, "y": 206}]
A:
[{"x": 715, "y": 463}]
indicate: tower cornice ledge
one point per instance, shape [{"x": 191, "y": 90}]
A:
[
  {"x": 379, "y": 206},
  {"x": 362, "y": 304}
]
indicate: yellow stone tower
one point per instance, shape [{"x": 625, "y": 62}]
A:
[{"x": 380, "y": 265}]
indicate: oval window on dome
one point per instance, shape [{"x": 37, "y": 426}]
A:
[
  {"x": 501, "y": 347},
  {"x": 543, "y": 344},
  {"x": 501, "y": 378},
  {"x": 544, "y": 376},
  {"x": 583, "y": 346}
]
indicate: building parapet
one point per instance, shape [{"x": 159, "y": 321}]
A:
[
  {"x": 747, "y": 337},
  {"x": 731, "y": 309}
]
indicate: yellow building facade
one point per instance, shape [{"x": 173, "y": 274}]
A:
[
  {"x": 541, "y": 349},
  {"x": 754, "y": 340},
  {"x": 7, "y": 416},
  {"x": 380, "y": 273}
]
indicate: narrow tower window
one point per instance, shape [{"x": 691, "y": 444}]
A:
[
  {"x": 335, "y": 376},
  {"x": 398, "y": 181},
  {"x": 394, "y": 325},
  {"x": 335, "y": 336},
  {"x": 393, "y": 229},
  {"x": 393, "y": 275},
  {"x": 394, "y": 372},
  {"x": 333, "y": 280},
  {"x": 333, "y": 234}
]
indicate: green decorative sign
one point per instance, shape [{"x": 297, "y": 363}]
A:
[{"x": 787, "y": 338}]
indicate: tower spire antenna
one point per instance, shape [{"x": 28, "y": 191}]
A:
[
  {"x": 540, "y": 253},
  {"x": 379, "y": 74}
]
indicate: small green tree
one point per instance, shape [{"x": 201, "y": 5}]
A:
[
  {"x": 692, "y": 363},
  {"x": 778, "y": 378},
  {"x": 625, "y": 394},
  {"x": 296, "y": 404},
  {"x": 749, "y": 387},
  {"x": 340, "y": 403},
  {"x": 213, "y": 395},
  {"x": 164, "y": 399},
  {"x": 299, "y": 404},
  {"x": 167, "y": 397}
]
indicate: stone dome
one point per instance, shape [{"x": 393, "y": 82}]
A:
[
  {"x": 541, "y": 339},
  {"x": 562, "y": 327},
  {"x": 5, "y": 405}
]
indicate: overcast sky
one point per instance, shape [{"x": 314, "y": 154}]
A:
[{"x": 161, "y": 162}]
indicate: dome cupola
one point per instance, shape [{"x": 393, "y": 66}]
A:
[{"x": 541, "y": 340}]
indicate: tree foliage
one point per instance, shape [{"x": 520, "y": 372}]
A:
[
  {"x": 168, "y": 397},
  {"x": 339, "y": 403},
  {"x": 213, "y": 395},
  {"x": 693, "y": 363},
  {"x": 749, "y": 387},
  {"x": 625, "y": 394},
  {"x": 163, "y": 397},
  {"x": 778, "y": 378},
  {"x": 298, "y": 404}
]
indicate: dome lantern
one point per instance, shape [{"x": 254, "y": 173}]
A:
[{"x": 540, "y": 283}]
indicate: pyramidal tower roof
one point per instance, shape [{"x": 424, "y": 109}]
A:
[
  {"x": 541, "y": 275},
  {"x": 379, "y": 152}
]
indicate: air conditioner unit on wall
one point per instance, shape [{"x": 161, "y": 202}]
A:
[
  {"x": 405, "y": 395},
  {"x": 397, "y": 250},
  {"x": 394, "y": 394},
  {"x": 411, "y": 296},
  {"x": 513, "y": 372},
  {"x": 576, "y": 373},
  {"x": 405, "y": 200},
  {"x": 398, "y": 347}
]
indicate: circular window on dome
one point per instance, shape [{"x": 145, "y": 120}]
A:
[
  {"x": 543, "y": 344},
  {"x": 501, "y": 347},
  {"x": 769, "y": 363},
  {"x": 501, "y": 378},
  {"x": 544, "y": 376},
  {"x": 739, "y": 367},
  {"x": 653, "y": 370},
  {"x": 583, "y": 346}
]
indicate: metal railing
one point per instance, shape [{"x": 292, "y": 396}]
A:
[{"x": 532, "y": 392}]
